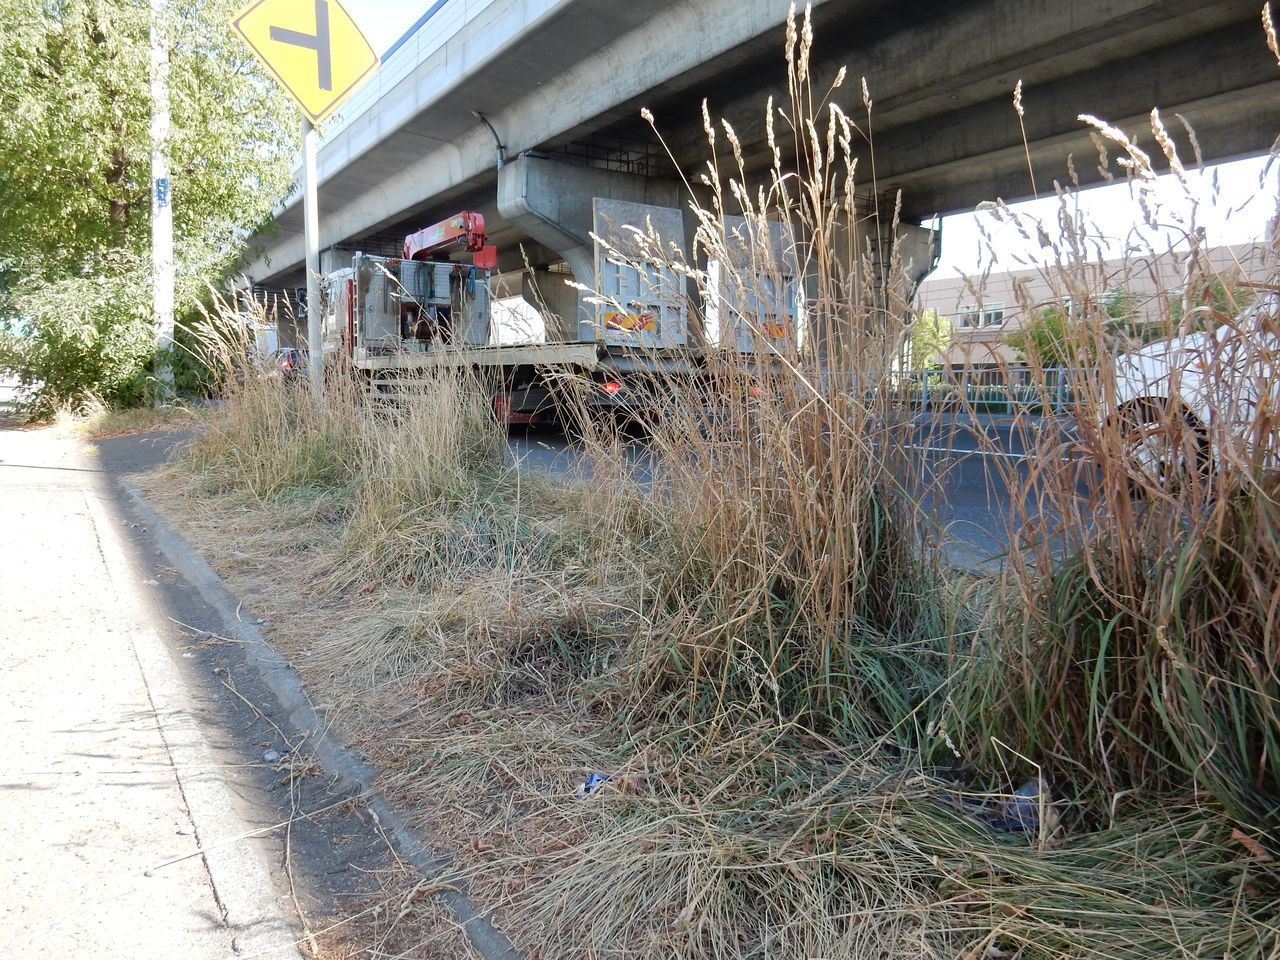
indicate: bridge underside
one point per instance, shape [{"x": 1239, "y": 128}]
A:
[{"x": 570, "y": 86}]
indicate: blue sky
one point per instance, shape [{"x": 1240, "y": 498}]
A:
[{"x": 384, "y": 22}]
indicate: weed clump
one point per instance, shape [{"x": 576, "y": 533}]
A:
[
  {"x": 266, "y": 435},
  {"x": 1132, "y": 640}
]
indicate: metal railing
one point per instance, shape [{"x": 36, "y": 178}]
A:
[{"x": 996, "y": 391}]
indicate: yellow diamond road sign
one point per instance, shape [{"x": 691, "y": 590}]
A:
[{"x": 313, "y": 47}]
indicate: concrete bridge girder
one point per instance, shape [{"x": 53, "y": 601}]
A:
[
  {"x": 942, "y": 124},
  {"x": 553, "y": 203},
  {"x": 677, "y": 37},
  {"x": 941, "y": 76}
]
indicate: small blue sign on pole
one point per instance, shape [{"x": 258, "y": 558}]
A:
[{"x": 162, "y": 192}]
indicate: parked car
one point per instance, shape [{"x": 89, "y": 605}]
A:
[{"x": 1188, "y": 403}]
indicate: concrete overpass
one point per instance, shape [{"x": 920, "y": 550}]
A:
[{"x": 564, "y": 80}]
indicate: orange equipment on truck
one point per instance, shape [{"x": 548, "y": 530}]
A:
[{"x": 465, "y": 228}]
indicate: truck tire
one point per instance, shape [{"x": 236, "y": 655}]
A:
[{"x": 1161, "y": 449}]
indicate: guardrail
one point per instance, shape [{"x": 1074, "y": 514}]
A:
[{"x": 1012, "y": 391}]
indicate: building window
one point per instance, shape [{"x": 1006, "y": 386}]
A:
[{"x": 988, "y": 315}]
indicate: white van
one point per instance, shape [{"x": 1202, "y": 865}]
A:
[{"x": 1189, "y": 402}]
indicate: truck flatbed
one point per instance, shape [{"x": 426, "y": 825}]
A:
[
  {"x": 584, "y": 355},
  {"x": 394, "y": 372}
]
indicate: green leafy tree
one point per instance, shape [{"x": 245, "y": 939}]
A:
[
  {"x": 1045, "y": 338},
  {"x": 89, "y": 330},
  {"x": 75, "y": 174},
  {"x": 1214, "y": 302},
  {"x": 930, "y": 337},
  {"x": 1063, "y": 335}
]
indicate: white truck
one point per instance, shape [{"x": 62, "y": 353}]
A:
[
  {"x": 1187, "y": 403},
  {"x": 395, "y": 318}
]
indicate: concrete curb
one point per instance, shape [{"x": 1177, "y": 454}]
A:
[{"x": 338, "y": 760}]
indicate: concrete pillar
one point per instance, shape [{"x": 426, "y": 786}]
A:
[
  {"x": 546, "y": 291},
  {"x": 867, "y": 312},
  {"x": 553, "y": 203}
]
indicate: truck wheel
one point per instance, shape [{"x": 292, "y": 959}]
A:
[{"x": 1161, "y": 450}]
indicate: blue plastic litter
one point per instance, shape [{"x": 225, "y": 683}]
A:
[{"x": 589, "y": 785}]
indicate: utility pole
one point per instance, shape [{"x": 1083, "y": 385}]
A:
[
  {"x": 162, "y": 280},
  {"x": 311, "y": 231}
]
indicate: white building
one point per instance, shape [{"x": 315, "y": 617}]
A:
[{"x": 984, "y": 311}]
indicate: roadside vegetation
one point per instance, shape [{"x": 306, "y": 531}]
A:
[
  {"x": 75, "y": 189},
  {"x": 97, "y": 421},
  {"x": 819, "y": 738}
]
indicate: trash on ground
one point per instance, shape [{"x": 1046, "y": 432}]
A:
[
  {"x": 1020, "y": 812},
  {"x": 590, "y": 784}
]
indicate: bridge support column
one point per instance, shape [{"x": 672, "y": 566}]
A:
[
  {"x": 878, "y": 263},
  {"x": 553, "y": 203},
  {"x": 546, "y": 291}
]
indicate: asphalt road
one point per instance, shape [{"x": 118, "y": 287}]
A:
[
  {"x": 971, "y": 470},
  {"x": 975, "y": 473}
]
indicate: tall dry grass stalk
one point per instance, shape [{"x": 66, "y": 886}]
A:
[
  {"x": 430, "y": 465},
  {"x": 267, "y": 436},
  {"x": 793, "y": 575}
]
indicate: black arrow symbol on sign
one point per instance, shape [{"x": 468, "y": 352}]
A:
[{"x": 319, "y": 42}]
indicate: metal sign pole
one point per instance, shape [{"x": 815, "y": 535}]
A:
[
  {"x": 311, "y": 227},
  {"x": 162, "y": 270},
  {"x": 275, "y": 30}
]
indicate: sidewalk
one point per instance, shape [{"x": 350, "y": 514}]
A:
[{"x": 105, "y": 783}]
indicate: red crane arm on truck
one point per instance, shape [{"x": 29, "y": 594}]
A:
[{"x": 465, "y": 228}]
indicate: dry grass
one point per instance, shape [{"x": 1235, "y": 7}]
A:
[
  {"x": 98, "y": 421},
  {"x": 1134, "y": 640},
  {"x": 812, "y": 729}
]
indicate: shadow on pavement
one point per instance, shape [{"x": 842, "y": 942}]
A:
[{"x": 334, "y": 855}]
